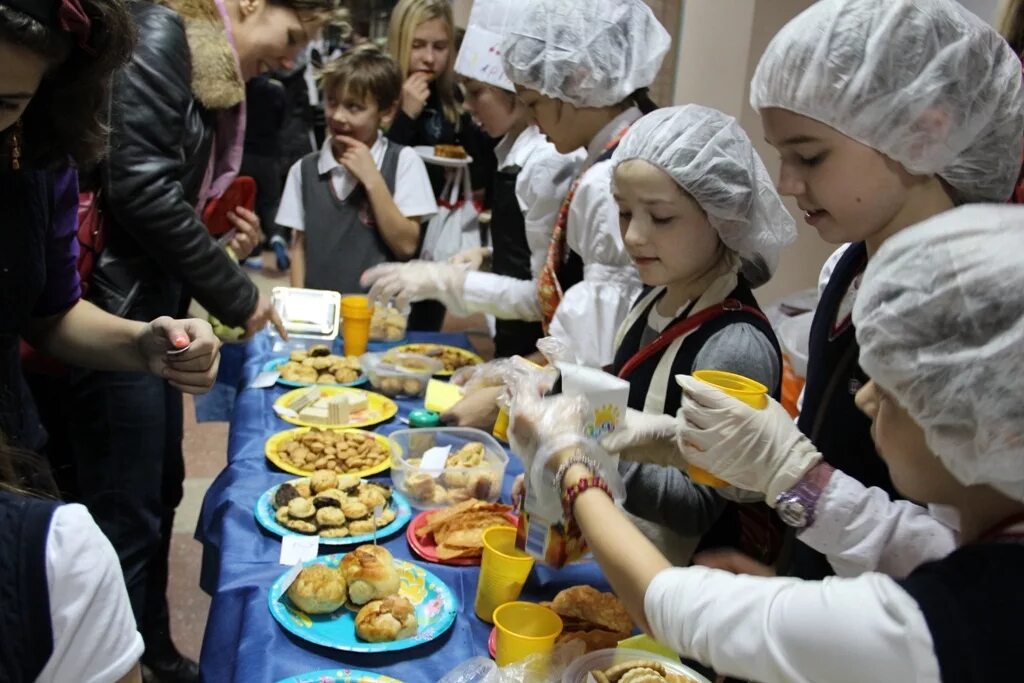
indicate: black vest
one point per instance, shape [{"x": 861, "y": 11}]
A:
[
  {"x": 26, "y": 634},
  {"x": 973, "y": 603},
  {"x": 342, "y": 240}
]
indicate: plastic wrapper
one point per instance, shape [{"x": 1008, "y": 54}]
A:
[{"x": 534, "y": 669}]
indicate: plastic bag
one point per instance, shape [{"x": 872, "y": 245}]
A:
[
  {"x": 456, "y": 226},
  {"x": 534, "y": 669}
]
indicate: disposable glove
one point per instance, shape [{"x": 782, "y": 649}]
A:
[
  {"x": 414, "y": 281},
  {"x": 756, "y": 450},
  {"x": 645, "y": 438}
]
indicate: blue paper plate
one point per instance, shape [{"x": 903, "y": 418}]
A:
[
  {"x": 265, "y": 516},
  {"x": 273, "y": 365},
  {"x": 436, "y": 608},
  {"x": 340, "y": 676}
]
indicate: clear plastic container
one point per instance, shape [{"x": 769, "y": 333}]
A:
[
  {"x": 603, "y": 659},
  {"x": 399, "y": 374},
  {"x": 389, "y": 322},
  {"x": 475, "y": 466}
]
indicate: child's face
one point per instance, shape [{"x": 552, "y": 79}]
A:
[
  {"x": 350, "y": 116},
  {"x": 900, "y": 441},
  {"x": 490, "y": 108},
  {"x": 269, "y": 37},
  {"x": 848, "y": 191},
  {"x": 665, "y": 231},
  {"x": 23, "y": 70},
  {"x": 431, "y": 48},
  {"x": 555, "y": 120}
]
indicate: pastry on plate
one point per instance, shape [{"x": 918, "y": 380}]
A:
[
  {"x": 588, "y": 608},
  {"x": 450, "y": 151},
  {"x": 393, "y": 618},
  {"x": 370, "y": 573},
  {"x": 318, "y": 589}
]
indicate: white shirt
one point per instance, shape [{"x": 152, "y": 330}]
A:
[
  {"x": 94, "y": 634},
  {"x": 413, "y": 194},
  {"x": 784, "y": 630}
]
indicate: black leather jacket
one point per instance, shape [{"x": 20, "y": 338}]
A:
[{"x": 158, "y": 250}]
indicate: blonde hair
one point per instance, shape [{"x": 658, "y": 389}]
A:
[
  {"x": 405, "y": 19},
  {"x": 1011, "y": 24}
]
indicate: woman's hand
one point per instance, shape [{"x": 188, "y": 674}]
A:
[
  {"x": 477, "y": 409},
  {"x": 184, "y": 352},
  {"x": 264, "y": 313},
  {"x": 247, "y": 235},
  {"x": 415, "y": 93}
]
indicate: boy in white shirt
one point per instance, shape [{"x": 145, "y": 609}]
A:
[{"x": 361, "y": 199}]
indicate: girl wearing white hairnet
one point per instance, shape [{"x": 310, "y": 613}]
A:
[
  {"x": 884, "y": 112},
  {"x": 582, "y": 68},
  {"x": 940, "y": 321}
]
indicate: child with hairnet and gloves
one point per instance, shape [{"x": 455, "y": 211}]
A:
[
  {"x": 582, "y": 69},
  {"x": 875, "y": 136},
  {"x": 940, "y": 324}
]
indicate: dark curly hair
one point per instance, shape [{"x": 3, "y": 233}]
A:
[{"x": 67, "y": 116}]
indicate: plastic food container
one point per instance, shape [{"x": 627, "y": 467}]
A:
[
  {"x": 603, "y": 659},
  {"x": 474, "y": 466},
  {"x": 399, "y": 374},
  {"x": 389, "y": 322}
]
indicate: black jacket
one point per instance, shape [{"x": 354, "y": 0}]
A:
[{"x": 161, "y": 137}]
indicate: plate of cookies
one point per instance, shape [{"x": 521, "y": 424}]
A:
[
  {"x": 304, "y": 450},
  {"x": 340, "y": 676},
  {"x": 452, "y": 357},
  {"x": 340, "y": 508},
  {"x": 316, "y": 366},
  {"x": 335, "y": 407},
  {"x": 623, "y": 665},
  {"x": 363, "y": 601}
]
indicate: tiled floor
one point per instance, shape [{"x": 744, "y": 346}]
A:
[{"x": 205, "y": 448}]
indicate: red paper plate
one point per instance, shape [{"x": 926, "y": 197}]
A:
[
  {"x": 428, "y": 551},
  {"x": 492, "y": 643}
]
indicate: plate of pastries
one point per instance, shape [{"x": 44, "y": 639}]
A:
[
  {"x": 340, "y": 508},
  {"x": 337, "y": 407},
  {"x": 362, "y": 601},
  {"x": 316, "y": 365},
  {"x": 305, "y": 450},
  {"x": 454, "y": 535},
  {"x": 451, "y": 357}
]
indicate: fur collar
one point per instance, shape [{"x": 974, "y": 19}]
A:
[{"x": 216, "y": 81}]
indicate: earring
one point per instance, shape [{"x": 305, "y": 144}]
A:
[{"x": 15, "y": 143}]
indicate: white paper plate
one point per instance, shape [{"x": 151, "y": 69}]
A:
[{"x": 426, "y": 153}]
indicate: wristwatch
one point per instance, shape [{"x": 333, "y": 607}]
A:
[{"x": 796, "y": 507}]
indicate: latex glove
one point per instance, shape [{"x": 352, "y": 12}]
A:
[
  {"x": 184, "y": 352},
  {"x": 646, "y": 438},
  {"x": 406, "y": 283},
  {"x": 756, "y": 450},
  {"x": 473, "y": 259}
]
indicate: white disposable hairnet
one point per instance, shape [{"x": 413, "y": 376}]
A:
[
  {"x": 590, "y": 53},
  {"x": 925, "y": 82},
  {"x": 940, "y": 323},
  {"x": 713, "y": 160}
]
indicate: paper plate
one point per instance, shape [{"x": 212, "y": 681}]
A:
[
  {"x": 272, "y": 450},
  {"x": 339, "y": 676},
  {"x": 420, "y": 348},
  {"x": 273, "y": 365},
  {"x": 436, "y": 608},
  {"x": 380, "y": 409},
  {"x": 426, "y": 153},
  {"x": 428, "y": 551},
  {"x": 265, "y": 516}
]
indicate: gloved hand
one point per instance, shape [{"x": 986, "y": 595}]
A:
[
  {"x": 477, "y": 258},
  {"x": 644, "y": 437},
  {"x": 757, "y": 450},
  {"x": 415, "y": 281}
]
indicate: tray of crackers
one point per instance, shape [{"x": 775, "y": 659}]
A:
[
  {"x": 623, "y": 665},
  {"x": 454, "y": 535},
  {"x": 341, "y": 509},
  {"x": 363, "y": 601},
  {"x": 304, "y": 450},
  {"x": 334, "y": 407},
  {"x": 316, "y": 365},
  {"x": 452, "y": 357}
]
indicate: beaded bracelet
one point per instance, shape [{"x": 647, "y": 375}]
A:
[{"x": 573, "y": 492}]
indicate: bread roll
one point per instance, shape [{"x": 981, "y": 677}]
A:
[
  {"x": 370, "y": 573},
  {"x": 318, "y": 589},
  {"x": 392, "y": 618}
]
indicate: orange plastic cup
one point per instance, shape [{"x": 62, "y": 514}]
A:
[
  {"x": 753, "y": 393},
  {"x": 524, "y": 629},
  {"x": 356, "y": 312},
  {"x": 503, "y": 571}
]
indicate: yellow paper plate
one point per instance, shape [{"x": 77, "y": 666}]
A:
[
  {"x": 424, "y": 348},
  {"x": 273, "y": 445},
  {"x": 380, "y": 409}
]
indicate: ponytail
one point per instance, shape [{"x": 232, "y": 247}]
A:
[{"x": 642, "y": 99}]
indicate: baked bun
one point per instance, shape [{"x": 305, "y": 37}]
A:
[
  {"x": 318, "y": 589},
  {"x": 393, "y": 618},
  {"x": 370, "y": 573}
]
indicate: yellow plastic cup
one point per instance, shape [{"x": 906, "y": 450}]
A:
[
  {"x": 524, "y": 629},
  {"x": 500, "y": 428},
  {"x": 503, "y": 571},
  {"x": 355, "y": 324},
  {"x": 753, "y": 393}
]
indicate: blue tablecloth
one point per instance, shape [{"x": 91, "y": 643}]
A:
[{"x": 240, "y": 561}]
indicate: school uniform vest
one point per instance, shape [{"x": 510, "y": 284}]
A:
[
  {"x": 342, "y": 239},
  {"x": 973, "y": 603},
  {"x": 830, "y": 418},
  {"x": 26, "y": 634}
]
